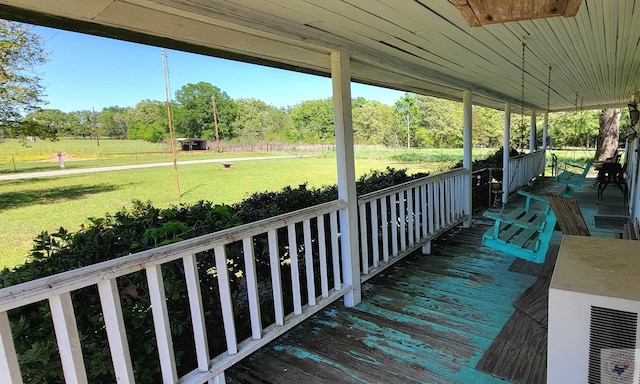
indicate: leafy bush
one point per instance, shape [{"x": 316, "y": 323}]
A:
[{"x": 144, "y": 227}]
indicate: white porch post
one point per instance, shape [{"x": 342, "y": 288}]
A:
[
  {"x": 533, "y": 145},
  {"x": 506, "y": 138},
  {"x": 545, "y": 128},
  {"x": 467, "y": 145},
  {"x": 341, "y": 81}
]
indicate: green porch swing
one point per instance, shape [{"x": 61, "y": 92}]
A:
[{"x": 524, "y": 232}]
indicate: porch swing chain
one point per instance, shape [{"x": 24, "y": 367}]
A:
[
  {"x": 549, "y": 89},
  {"x": 524, "y": 45},
  {"x": 575, "y": 126},
  {"x": 548, "y": 104}
]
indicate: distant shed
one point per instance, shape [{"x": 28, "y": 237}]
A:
[{"x": 188, "y": 144}]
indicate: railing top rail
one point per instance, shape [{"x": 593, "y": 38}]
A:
[
  {"x": 431, "y": 178},
  {"x": 526, "y": 154},
  {"x": 43, "y": 288},
  {"x": 487, "y": 169}
]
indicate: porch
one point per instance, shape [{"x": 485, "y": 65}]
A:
[
  {"x": 426, "y": 319},
  {"x": 432, "y": 318},
  {"x": 423, "y": 318}
]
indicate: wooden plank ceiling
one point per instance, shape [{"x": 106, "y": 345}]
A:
[{"x": 423, "y": 46}]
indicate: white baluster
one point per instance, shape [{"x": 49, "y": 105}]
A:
[
  {"x": 161, "y": 324},
  {"x": 64, "y": 323},
  {"x": 197, "y": 314},
  {"x": 225, "y": 300},
  {"x": 252, "y": 287},
  {"x": 9, "y": 368}
]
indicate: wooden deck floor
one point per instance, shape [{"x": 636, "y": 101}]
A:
[{"x": 428, "y": 319}]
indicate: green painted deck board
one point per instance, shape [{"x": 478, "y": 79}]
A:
[{"x": 525, "y": 239}]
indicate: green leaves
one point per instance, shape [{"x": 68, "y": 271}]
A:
[
  {"x": 194, "y": 114},
  {"x": 21, "y": 51},
  {"x": 168, "y": 233}
]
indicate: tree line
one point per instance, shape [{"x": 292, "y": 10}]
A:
[{"x": 413, "y": 121}]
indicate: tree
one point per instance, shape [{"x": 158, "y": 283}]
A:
[
  {"x": 520, "y": 138},
  {"x": 20, "y": 89},
  {"x": 277, "y": 121},
  {"x": 251, "y": 121},
  {"x": 312, "y": 121},
  {"x": 194, "y": 115},
  {"x": 609, "y": 134},
  {"x": 373, "y": 123},
  {"x": 113, "y": 122},
  {"x": 573, "y": 128},
  {"x": 148, "y": 121},
  {"x": 588, "y": 127},
  {"x": 53, "y": 121},
  {"x": 488, "y": 124},
  {"x": 257, "y": 121},
  {"x": 407, "y": 109},
  {"x": 440, "y": 122},
  {"x": 82, "y": 123}
]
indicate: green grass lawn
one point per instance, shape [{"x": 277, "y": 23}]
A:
[{"x": 31, "y": 206}]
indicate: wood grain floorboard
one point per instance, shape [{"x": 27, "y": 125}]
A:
[
  {"x": 429, "y": 309},
  {"x": 372, "y": 355},
  {"x": 513, "y": 354},
  {"x": 526, "y": 267}
]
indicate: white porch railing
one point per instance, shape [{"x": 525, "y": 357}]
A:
[
  {"x": 524, "y": 168},
  {"x": 58, "y": 290},
  {"x": 393, "y": 223},
  {"x": 396, "y": 221}
]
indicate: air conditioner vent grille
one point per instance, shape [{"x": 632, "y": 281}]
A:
[{"x": 609, "y": 329}]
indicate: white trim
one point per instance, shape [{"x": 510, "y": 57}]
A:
[
  {"x": 341, "y": 82},
  {"x": 467, "y": 128}
]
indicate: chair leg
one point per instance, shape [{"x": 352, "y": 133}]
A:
[
  {"x": 601, "y": 187},
  {"x": 625, "y": 193}
]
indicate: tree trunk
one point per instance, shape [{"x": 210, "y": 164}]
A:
[
  {"x": 407, "y": 122},
  {"x": 609, "y": 133}
]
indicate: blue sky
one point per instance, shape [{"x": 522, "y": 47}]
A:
[{"x": 88, "y": 72}]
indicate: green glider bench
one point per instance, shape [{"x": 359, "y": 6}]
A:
[
  {"x": 572, "y": 175},
  {"x": 523, "y": 233}
]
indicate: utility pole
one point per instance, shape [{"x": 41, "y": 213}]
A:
[
  {"x": 215, "y": 121},
  {"x": 95, "y": 126},
  {"x": 173, "y": 144}
]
